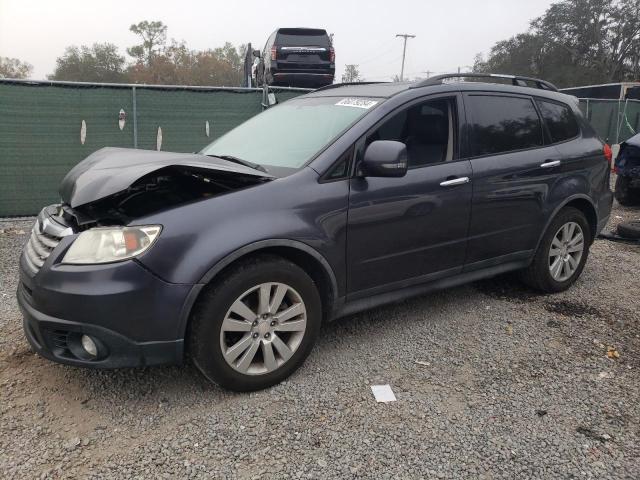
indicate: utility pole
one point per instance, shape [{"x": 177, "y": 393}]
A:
[{"x": 404, "y": 51}]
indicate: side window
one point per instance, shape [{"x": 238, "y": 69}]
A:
[
  {"x": 502, "y": 124},
  {"x": 427, "y": 129},
  {"x": 559, "y": 119},
  {"x": 340, "y": 169}
]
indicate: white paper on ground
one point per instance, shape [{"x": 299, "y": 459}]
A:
[{"x": 383, "y": 393}]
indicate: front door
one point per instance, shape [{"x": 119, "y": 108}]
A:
[{"x": 409, "y": 230}]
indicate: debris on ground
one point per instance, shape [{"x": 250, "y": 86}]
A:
[
  {"x": 383, "y": 393},
  {"x": 613, "y": 353}
]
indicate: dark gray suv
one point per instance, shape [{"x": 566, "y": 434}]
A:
[{"x": 331, "y": 203}]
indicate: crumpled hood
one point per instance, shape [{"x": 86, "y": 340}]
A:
[{"x": 112, "y": 170}]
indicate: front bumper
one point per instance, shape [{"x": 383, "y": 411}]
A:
[
  {"x": 59, "y": 340},
  {"x": 134, "y": 317}
]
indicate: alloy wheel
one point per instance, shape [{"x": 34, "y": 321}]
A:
[
  {"x": 566, "y": 251},
  {"x": 263, "y": 328}
]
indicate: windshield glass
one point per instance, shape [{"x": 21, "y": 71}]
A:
[{"x": 290, "y": 134}]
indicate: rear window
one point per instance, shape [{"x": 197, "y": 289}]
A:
[
  {"x": 302, "y": 38},
  {"x": 560, "y": 121},
  {"x": 503, "y": 124}
]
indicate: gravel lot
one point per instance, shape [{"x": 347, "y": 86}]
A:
[{"x": 510, "y": 383}]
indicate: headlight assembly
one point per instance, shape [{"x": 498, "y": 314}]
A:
[{"x": 111, "y": 244}]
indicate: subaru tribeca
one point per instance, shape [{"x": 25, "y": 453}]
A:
[{"x": 331, "y": 203}]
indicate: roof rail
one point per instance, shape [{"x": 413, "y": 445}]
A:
[
  {"x": 516, "y": 80},
  {"x": 336, "y": 85}
]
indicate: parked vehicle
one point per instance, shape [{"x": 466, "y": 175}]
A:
[
  {"x": 627, "y": 167},
  {"x": 331, "y": 203},
  {"x": 296, "y": 57}
]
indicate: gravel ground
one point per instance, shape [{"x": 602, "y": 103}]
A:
[{"x": 510, "y": 383}]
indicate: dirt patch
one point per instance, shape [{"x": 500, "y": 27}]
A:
[{"x": 572, "y": 309}]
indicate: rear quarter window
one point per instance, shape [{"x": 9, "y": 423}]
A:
[
  {"x": 502, "y": 124},
  {"x": 559, "y": 120}
]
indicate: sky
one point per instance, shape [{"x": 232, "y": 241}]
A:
[{"x": 448, "y": 33}]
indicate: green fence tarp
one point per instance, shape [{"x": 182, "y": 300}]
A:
[
  {"x": 613, "y": 120},
  {"x": 40, "y": 129}
]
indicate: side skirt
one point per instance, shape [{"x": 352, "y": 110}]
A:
[{"x": 344, "y": 308}]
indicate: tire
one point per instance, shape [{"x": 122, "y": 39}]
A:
[
  {"x": 209, "y": 337},
  {"x": 539, "y": 274},
  {"x": 625, "y": 194},
  {"x": 629, "y": 229}
]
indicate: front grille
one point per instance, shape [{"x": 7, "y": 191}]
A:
[{"x": 45, "y": 236}]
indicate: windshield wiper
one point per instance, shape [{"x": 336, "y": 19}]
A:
[{"x": 240, "y": 161}]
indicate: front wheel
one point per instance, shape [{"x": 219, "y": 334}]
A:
[
  {"x": 256, "y": 325},
  {"x": 562, "y": 253}
]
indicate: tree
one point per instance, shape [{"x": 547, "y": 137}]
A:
[
  {"x": 351, "y": 74},
  {"x": 575, "y": 42},
  {"x": 14, "y": 68},
  {"x": 99, "y": 63},
  {"x": 154, "y": 37},
  {"x": 177, "y": 65}
]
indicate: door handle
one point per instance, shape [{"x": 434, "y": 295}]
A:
[
  {"x": 550, "y": 164},
  {"x": 454, "y": 181}
]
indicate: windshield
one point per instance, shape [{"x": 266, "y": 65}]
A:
[{"x": 291, "y": 134}]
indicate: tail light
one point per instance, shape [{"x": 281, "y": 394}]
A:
[
  {"x": 608, "y": 153},
  {"x": 274, "y": 53},
  {"x": 332, "y": 55}
]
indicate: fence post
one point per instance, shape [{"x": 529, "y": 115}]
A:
[
  {"x": 587, "y": 115},
  {"x": 135, "y": 117}
]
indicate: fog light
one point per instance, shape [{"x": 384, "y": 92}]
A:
[{"x": 89, "y": 345}]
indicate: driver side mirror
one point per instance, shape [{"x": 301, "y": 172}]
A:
[
  {"x": 256, "y": 53},
  {"x": 385, "y": 158}
]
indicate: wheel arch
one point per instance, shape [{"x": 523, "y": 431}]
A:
[
  {"x": 582, "y": 203},
  {"x": 306, "y": 257}
]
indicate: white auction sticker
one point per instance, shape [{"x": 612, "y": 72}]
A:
[{"x": 357, "y": 102}]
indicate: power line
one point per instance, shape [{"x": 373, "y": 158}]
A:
[{"x": 405, "y": 36}]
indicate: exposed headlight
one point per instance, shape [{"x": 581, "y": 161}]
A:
[{"x": 111, "y": 244}]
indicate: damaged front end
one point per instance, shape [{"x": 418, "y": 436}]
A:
[
  {"x": 83, "y": 303},
  {"x": 115, "y": 186}
]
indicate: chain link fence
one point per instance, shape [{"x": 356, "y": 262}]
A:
[{"x": 48, "y": 127}]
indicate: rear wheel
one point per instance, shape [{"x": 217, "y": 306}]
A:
[
  {"x": 256, "y": 325},
  {"x": 625, "y": 193},
  {"x": 562, "y": 253}
]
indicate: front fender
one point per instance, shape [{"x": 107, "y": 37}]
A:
[{"x": 198, "y": 239}]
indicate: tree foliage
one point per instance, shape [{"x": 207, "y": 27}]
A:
[
  {"x": 154, "y": 61},
  {"x": 575, "y": 42},
  {"x": 14, "y": 68},
  {"x": 153, "y": 36},
  {"x": 178, "y": 65},
  {"x": 351, "y": 74},
  {"x": 99, "y": 63}
]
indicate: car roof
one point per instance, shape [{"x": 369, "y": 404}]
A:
[
  {"x": 301, "y": 31},
  {"x": 390, "y": 89}
]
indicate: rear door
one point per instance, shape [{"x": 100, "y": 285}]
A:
[
  {"x": 513, "y": 172},
  {"x": 410, "y": 230}
]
